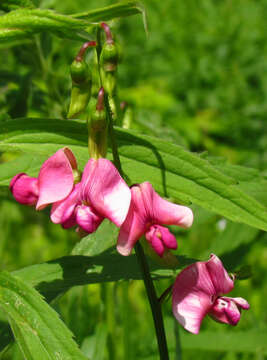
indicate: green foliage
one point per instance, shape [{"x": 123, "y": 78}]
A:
[
  {"x": 36, "y": 327},
  {"x": 198, "y": 80},
  {"x": 23, "y": 23},
  {"x": 173, "y": 171}
]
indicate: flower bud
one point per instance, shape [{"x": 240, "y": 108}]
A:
[
  {"x": 81, "y": 82},
  {"x": 109, "y": 58},
  {"x": 98, "y": 129},
  {"x": 81, "y": 88},
  {"x": 24, "y": 189}
]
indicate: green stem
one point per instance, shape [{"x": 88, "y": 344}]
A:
[
  {"x": 178, "y": 346},
  {"x": 154, "y": 303},
  {"x": 113, "y": 143}
]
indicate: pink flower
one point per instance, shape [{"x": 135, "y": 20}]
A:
[
  {"x": 102, "y": 193},
  {"x": 54, "y": 182},
  {"x": 148, "y": 211},
  {"x": 198, "y": 291}
]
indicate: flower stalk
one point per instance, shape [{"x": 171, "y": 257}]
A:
[{"x": 154, "y": 303}]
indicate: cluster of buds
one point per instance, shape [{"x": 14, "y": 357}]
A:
[{"x": 86, "y": 80}]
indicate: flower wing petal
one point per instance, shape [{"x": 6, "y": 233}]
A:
[
  {"x": 193, "y": 294},
  {"x": 63, "y": 210},
  {"x": 222, "y": 282},
  {"x": 164, "y": 212},
  {"x": 105, "y": 190},
  {"x": 55, "y": 179},
  {"x": 130, "y": 232},
  {"x": 225, "y": 311}
]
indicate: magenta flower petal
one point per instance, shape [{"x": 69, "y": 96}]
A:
[
  {"x": 55, "y": 180},
  {"x": 167, "y": 237},
  {"x": 24, "y": 189},
  {"x": 240, "y": 302},
  {"x": 193, "y": 293},
  {"x": 225, "y": 311},
  {"x": 164, "y": 212},
  {"x": 153, "y": 236},
  {"x": 87, "y": 219},
  {"x": 197, "y": 291},
  {"x": 131, "y": 230},
  {"x": 222, "y": 282},
  {"x": 104, "y": 189},
  {"x": 63, "y": 211},
  {"x": 160, "y": 238}
]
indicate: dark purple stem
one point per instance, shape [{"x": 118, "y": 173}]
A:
[
  {"x": 100, "y": 100},
  {"x": 85, "y": 46},
  {"x": 108, "y": 33}
]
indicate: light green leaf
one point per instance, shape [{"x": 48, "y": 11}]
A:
[
  {"x": 57, "y": 276},
  {"x": 24, "y": 23},
  {"x": 173, "y": 171},
  {"x": 28, "y": 163},
  {"x": 98, "y": 242},
  {"x": 8, "y": 5},
  {"x": 123, "y": 8},
  {"x": 37, "y": 328},
  {"x": 233, "y": 236}
]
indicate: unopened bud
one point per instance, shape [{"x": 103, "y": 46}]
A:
[
  {"x": 81, "y": 83},
  {"x": 109, "y": 61},
  {"x": 98, "y": 129}
]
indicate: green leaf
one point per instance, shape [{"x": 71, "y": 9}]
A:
[
  {"x": 28, "y": 163},
  {"x": 24, "y": 23},
  {"x": 37, "y": 328},
  {"x": 231, "y": 238},
  {"x": 57, "y": 276},
  {"x": 8, "y": 5},
  {"x": 249, "y": 179},
  {"x": 173, "y": 171},
  {"x": 123, "y": 8},
  {"x": 98, "y": 242}
]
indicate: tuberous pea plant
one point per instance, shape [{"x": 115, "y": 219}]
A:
[{"x": 133, "y": 181}]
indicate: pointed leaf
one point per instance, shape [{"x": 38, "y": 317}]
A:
[{"x": 37, "y": 328}]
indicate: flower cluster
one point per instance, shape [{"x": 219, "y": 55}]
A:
[
  {"x": 84, "y": 201},
  {"x": 100, "y": 193}
]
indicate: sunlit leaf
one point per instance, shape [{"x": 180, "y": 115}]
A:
[
  {"x": 173, "y": 171},
  {"x": 36, "y": 326}
]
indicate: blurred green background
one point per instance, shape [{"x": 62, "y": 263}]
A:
[{"x": 198, "y": 79}]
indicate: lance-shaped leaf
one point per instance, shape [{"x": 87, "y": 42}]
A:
[
  {"x": 37, "y": 328},
  {"x": 24, "y": 23},
  {"x": 173, "y": 171},
  {"x": 57, "y": 276}
]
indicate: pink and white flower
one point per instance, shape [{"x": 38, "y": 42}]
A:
[
  {"x": 198, "y": 291},
  {"x": 54, "y": 182},
  {"x": 102, "y": 193},
  {"x": 147, "y": 213}
]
